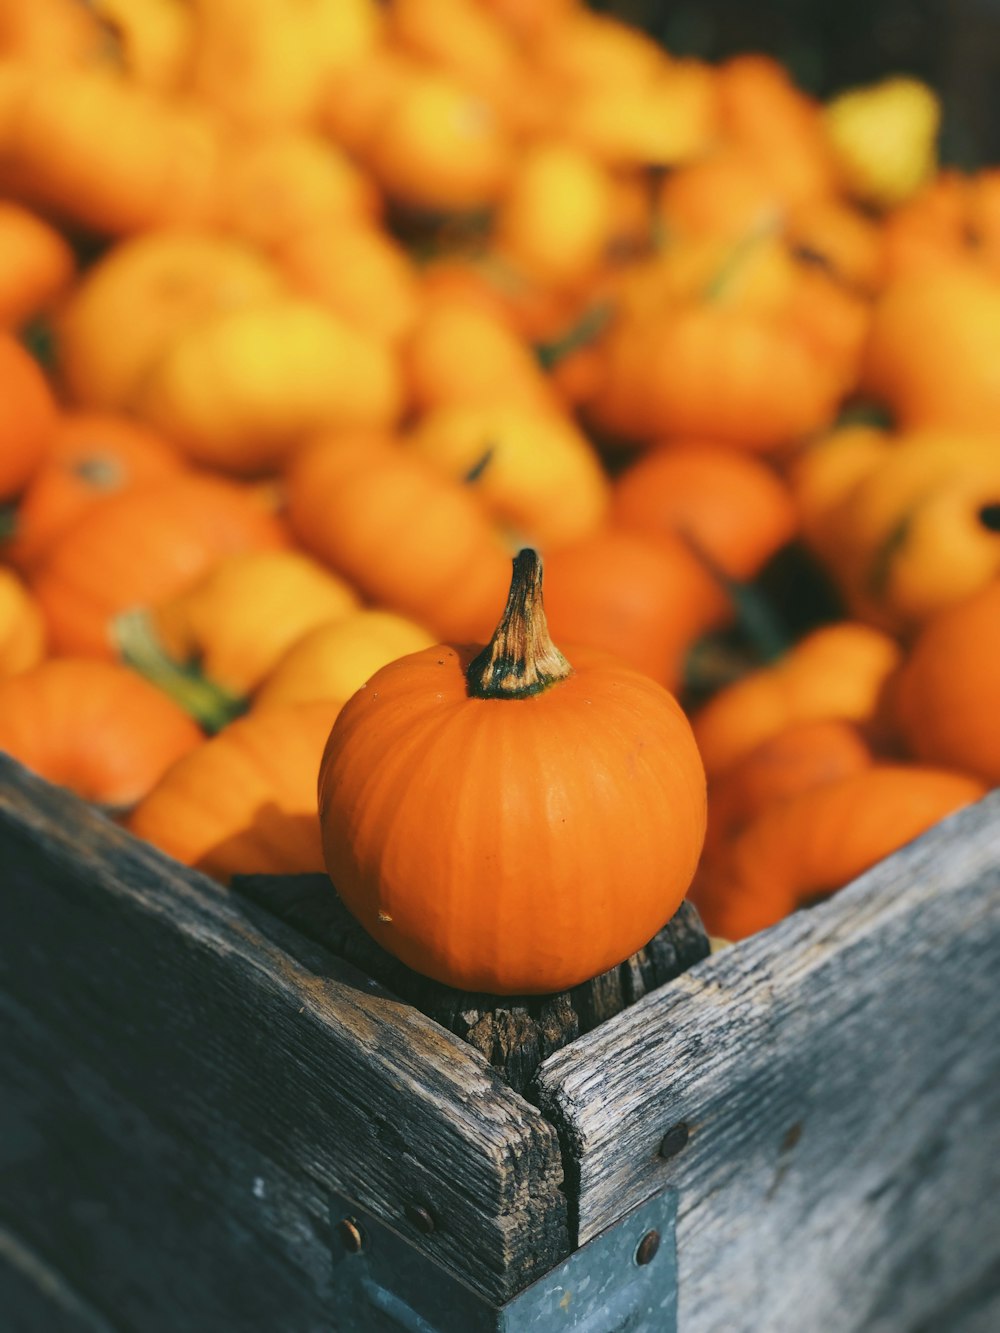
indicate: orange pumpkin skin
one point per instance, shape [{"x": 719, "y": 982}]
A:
[
  {"x": 139, "y": 546},
  {"x": 813, "y": 843},
  {"x": 735, "y": 507},
  {"x": 945, "y": 700},
  {"x": 245, "y": 801},
  {"x": 94, "y": 727},
  {"x": 566, "y": 826},
  {"x": 37, "y": 266},
  {"x": 22, "y": 626},
  {"x": 91, "y": 455},
  {"x": 27, "y": 417}
]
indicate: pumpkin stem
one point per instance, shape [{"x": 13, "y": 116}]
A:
[
  {"x": 586, "y": 330},
  {"x": 717, "y": 287},
  {"x": 8, "y": 521},
  {"x": 211, "y": 706},
  {"x": 520, "y": 659}
]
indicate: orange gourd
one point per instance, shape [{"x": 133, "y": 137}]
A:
[
  {"x": 336, "y": 658},
  {"x": 404, "y": 536},
  {"x": 212, "y": 643},
  {"x": 22, "y": 626},
  {"x": 91, "y": 455},
  {"x": 813, "y": 843},
  {"x": 36, "y": 264},
  {"x": 641, "y": 597},
  {"x": 94, "y": 727},
  {"x": 945, "y": 699},
  {"x": 732, "y": 506},
  {"x": 836, "y": 671},
  {"x": 141, "y": 545},
  {"x": 244, "y": 803},
  {"x": 27, "y": 417},
  {"x": 567, "y": 805}
]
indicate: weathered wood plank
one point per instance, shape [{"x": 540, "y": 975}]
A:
[
  {"x": 186, "y": 1090},
  {"x": 34, "y": 1298},
  {"x": 515, "y": 1033},
  {"x": 840, "y": 1078}
]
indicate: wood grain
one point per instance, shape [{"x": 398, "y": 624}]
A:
[
  {"x": 840, "y": 1078},
  {"x": 514, "y": 1033},
  {"x": 182, "y": 1090}
]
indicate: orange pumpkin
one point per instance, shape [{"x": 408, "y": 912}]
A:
[
  {"x": 212, "y": 643},
  {"x": 929, "y": 355},
  {"x": 732, "y": 506},
  {"x": 567, "y": 803},
  {"x": 641, "y": 597},
  {"x": 142, "y": 545},
  {"x": 94, "y": 727},
  {"x": 91, "y": 455},
  {"x": 836, "y": 671},
  {"x": 336, "y": 658},
  {"x": 36, "y": 264},
  {"x": 244, "y": 803},
  {"x": 407, "y": 538},
  {"x": 22, "y": 626},
  {"x": 536, "y": 472},
  {"x": 27, "y": 417},
  {"x": 945, "y": 699},
  {"x": 811, "y": 844}
]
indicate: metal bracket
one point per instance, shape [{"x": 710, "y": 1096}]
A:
[{"x": 622, "y": 1281}]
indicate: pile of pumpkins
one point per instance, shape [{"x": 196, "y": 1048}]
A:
[{"x": 314, "y": 315}]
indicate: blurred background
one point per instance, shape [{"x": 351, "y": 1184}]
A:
[{"x": 952, "y": 44}]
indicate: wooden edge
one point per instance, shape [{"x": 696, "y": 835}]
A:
[
  {"x": 828, "y": 1094},
  {"x": 260, "y": 1054}
]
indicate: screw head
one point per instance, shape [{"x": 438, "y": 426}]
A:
[
  {"x": 421, "y": 1217},
  {"x": 674, "y": 1139},
  {"x": 351, "y": 1235},
  {"x": 647, "y": 1247}
]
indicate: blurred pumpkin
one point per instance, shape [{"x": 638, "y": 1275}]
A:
[
  {"x": 244, "y": 803},
  {"x": 27, "y": 417},
  {"x": 884, "y": 138},
  {"x": 36, "y": 264},
  {"x": 94, "y": 727},
  {"x": 22, "y": 626}
]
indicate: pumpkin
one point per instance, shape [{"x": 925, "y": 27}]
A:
[
  {"x": 919, "y": 530},
  {"x": 836, "y": 671},
  {"x": 929, "y": 355},
  {"x": 503, "y": 821},
  {"x": 142, "y": 545},
  {"x": 212, "y": 643},
  {"x": 945, "y": 699},
  {"x": 36, "y": 264},
  {"x": 22, "y": 626},
  {"x": 336, "y": 658},
  {"x": 156, "y": 286},
  {"x": 555, "y": 219},
  {"x": 734, "y": 507},
  {"x": 644, "y": 598},
  {"x": 91, "y": 455},
  {"x": 242, "y": 389},
  {"x": 94, "y": 727},
  {"x": 884, "y": 139},
  {"x": 536, "y": 471},
  {"x": 244, "y": 803},
  {"x": 813, "y": 843},
  {"x": 407, "y": 538},
  {"x": 27, "y": 417},
  {"x": 358, "y": 272}
]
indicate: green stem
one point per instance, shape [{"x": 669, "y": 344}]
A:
[
  {"x": 521, "y": 659},
  {"x": 8, "y": 522},
  {"x": 589, "y": 327},
  {"x": 722, "y": 278},
  {"x": 138, "y": 645}
]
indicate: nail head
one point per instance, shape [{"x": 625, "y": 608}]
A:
[
  {"x": 674, "y": 1140},
  {"x": 647, "y": 1247},
  {"x": 421, "y": 1218}
]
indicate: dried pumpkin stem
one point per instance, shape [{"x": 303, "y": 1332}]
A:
[{"x": 520, "y": 659}]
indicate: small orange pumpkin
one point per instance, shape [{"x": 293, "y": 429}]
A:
[
  {"x": 244, "y": 802},
  {"x": 567, "y": 805},
  {"x": 27, "y": 417},
  {"x": 94, "y": 727},
  {"x": 22, "y": 626},
  {"x": 36, "y": 264}
]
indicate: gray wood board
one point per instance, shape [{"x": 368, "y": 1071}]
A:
[
  {"x": 515, "y": 1033},
  {"x": 840, "y": 1078},
  {"x": 185, "y": 1080}
]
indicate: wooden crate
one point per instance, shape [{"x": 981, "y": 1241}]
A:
[{"x": 189, "y": 1081}]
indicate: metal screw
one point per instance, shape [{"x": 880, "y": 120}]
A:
[
  {"x": 420, "y": 1217},
  {"x": 674, "y": 1140},
  {"x": 647, "y": 1247},
  {"x": 350, "y": 1235}
]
